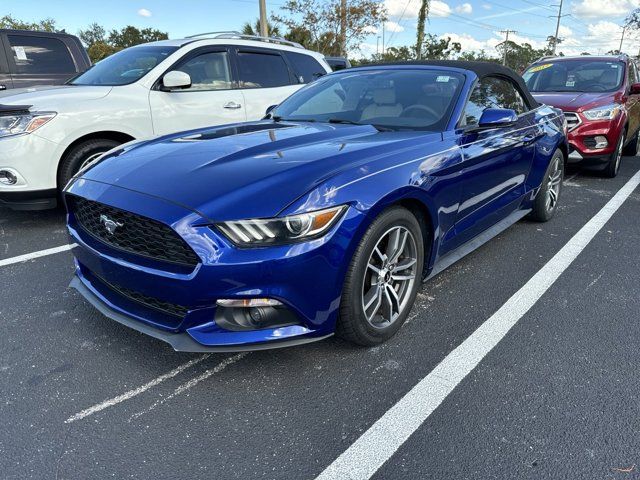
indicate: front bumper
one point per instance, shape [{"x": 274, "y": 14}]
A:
[
  {"x": 581, "y": 140},
  {"x": 34, "y": 161},
  {"x": 306, "y": 277}
]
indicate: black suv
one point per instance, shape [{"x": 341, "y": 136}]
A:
[{"x": 30, "y": 58}]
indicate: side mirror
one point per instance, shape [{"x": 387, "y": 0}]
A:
[
  {"x": 269, "y": 108},
  {"x": 497, "y": 117},
  {"x": 176, "y": 80},
  {"x": 635, "y": 89}
]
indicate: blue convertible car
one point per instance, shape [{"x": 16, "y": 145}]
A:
[{"x": 322, "y": 218}]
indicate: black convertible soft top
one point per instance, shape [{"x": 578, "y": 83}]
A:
[{"x": 481, "y": 69}]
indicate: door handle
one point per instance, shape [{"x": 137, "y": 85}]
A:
[{"x": 232, "y": 105}]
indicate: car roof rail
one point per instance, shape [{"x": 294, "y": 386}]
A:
[
  {"x": 241, "y": 36},
  {"x": 545, "y": 57}
]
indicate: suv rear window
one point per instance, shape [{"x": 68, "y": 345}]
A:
[
  {"x": 40, "y": 55},
  {"x": 306, "y": 67},
  {"x": 262, "y": 70}
]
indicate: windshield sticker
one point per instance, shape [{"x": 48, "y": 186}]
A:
[
  {"x": 442, "y": 78},
  {"x": 540, "y": 67},
  {"x": 571, "y": 81},
  {"x": 20, "y": 53}
]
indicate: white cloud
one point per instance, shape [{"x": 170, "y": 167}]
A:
[
  {"x": 486, "y": 6},
  {"x": 465, "y": 8},
  {"x": 410, "y": 9},
  {"x": 391, "y": 26},
  {"x": 603, "y": 8},
  {"x": 143, "y": 12}
]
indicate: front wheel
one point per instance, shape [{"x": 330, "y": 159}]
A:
[
  {"x": 546, "y": 202},
  {"x": 613, "y": 165},
  {"x": 383, "y": 279},
  {"x": 81, "y": 155}
]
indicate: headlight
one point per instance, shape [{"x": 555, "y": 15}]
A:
[
  {"x": 278, "y": 231},
  {"x": 607, "y": 112},
  {"x": 17, "y": 124}
]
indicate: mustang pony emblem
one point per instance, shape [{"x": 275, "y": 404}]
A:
[{"x": 110, "y": 225}]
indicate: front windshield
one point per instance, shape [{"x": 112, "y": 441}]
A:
[
  {"x": 415, "y": 99},
  {"x": 581, "y": 75},
  {"x": 124, "y": 67}
]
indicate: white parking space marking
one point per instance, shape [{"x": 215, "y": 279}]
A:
[
  {"x": 136, "y": 391},
  {"x": 32, "y": 256},
  {"x": 192, "y": 383},
  {"x": 369, "y": 452}
]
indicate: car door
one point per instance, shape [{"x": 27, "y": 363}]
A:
[
  {"x": 212, "y": 98},
  {"x": 633, "y": 101},
  {"x": 5, "y": 77},
  {"x": 38, "y": 60},
  {"x": 496, "y": 161},
  {"x": 264, "y": 78}
]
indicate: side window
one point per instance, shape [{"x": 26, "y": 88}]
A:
[
  {"x": 306, "y": 67},
  {"x": 209, "y": 71},
  {"x": 262, "y": 70},
  {"x": 492, "y": 92},
  {"x": 631, "y": 73},
  {"x": 40, "y": 55}
]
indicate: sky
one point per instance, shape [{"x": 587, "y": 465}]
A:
[{"x": 592, "y": 26}]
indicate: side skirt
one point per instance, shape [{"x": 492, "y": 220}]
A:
[{"x": 452, "y": 257}]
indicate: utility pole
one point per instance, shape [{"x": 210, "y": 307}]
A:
[
  {"x": 506, "y": 45},
  {"x": 343, "y": 28},
  {"x": 264, "y": 26},
  {"x": 423, "y": 14},
  {"x": 624, "y": 27},
  {"x": 555, "y": 39}
]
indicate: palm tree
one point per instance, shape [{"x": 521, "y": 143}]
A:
[
  {"x": 422, "y": 17},
  {"x": 248, "y": 29}
]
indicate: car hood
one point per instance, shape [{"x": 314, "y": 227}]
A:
[
  {"x": 574, "y": 101},
  {"x": 246, "y": 170},
  {"x": 52, "y": 97}
]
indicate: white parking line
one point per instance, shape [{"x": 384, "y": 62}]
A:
[
  {"x": 136, "y": 391},
  {"x": 192, "y": 383},
  {"x": 31, "y": 256},
  {"x": 369, "y": 452}
]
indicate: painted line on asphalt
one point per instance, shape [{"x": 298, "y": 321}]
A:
[
  {"x": 136, "y": 391},
  {"x": 192, "y": 383},
  {"x": 32, "y": 256},
  {"x": 378, "y": 444}
]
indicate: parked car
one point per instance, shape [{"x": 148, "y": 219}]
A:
[
  {"x": 323, "y": 218},
  {"x": 48, "y": 134},
  {"x": 600, "y": 99},
  {"x": 338, "y": 63},
  {"x": 29, "y": 58}
]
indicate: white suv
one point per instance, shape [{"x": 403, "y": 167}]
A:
[{"x": 47, "y": 134}]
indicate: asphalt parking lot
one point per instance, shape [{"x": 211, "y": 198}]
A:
[{"x": 558, "y": 397}]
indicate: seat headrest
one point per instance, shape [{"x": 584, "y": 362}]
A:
[{"x": 384, "y": 96}]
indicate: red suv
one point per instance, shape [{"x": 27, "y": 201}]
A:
[{"x": 600, "y": 97}]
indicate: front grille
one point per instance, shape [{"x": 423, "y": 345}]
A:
[
  {"x": 149, "y": 302},
  {"x": 133, "y": 233},
  {"x": 573, "y": 120}
]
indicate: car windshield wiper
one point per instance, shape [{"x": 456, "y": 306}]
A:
[
  {"x": 380, "y": 128},
  {"x": 278, "y": 118}
]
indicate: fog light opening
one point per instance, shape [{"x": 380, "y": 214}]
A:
[
  {"x": 8, "y": 178},
  {"x": 253, "y": 314},
  {"x": 601, "y": 142}
]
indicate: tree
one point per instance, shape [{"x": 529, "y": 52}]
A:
[
  {"x": 248, "y": 29},
  {"x": 317, "y": 23},
  {"x": 92, "y": 35},
  {"x": 422, "y": 18},
  {"x": 520, "y": 57},
  {"x": 46, "y": 25},
  {"x": 130, "y": 36},
  {"x": 481, "y": 56}
]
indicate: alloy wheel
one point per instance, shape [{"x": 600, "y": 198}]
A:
[
  {"x": 554, "y": 179},
  {"x": 619, "y": 154},
  {"x": 389, "y": 277}
]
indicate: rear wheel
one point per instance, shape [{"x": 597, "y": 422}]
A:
[
  {"x": 546, "y": 202},
  {"x": 613, "y": 166},
  {"x": 81, "y": 155},
  {"x": 383, "y": 279}
]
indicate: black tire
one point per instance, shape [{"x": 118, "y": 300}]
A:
[
  {"x": 545, "y": 205},
  {"x": 352, "y": 322},
  {"x": 631, "y": 148},
  {"x": 78, "y": 155},
  {"x": 613, "y": 165}
]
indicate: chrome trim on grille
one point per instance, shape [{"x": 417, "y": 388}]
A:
[{"x": 573, "y": 120}]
